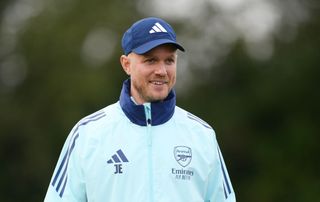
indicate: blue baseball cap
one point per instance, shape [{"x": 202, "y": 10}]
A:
[{"x": 147, "y": 34}]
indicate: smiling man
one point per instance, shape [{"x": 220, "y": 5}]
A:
[
  {"x": 143, "y": 148},
  {"x": 152, "y": 74}
]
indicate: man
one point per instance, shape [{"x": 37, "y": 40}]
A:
[{"x": 143, "y": 148}]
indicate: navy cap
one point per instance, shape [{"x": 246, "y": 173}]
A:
[{"x": 147, "y": 34}]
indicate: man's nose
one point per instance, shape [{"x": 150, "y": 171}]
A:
[{"x": 161, "y": 69}]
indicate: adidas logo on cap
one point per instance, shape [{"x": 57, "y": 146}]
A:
[
  {"x": 157, "y": 28},
  {"x": 147, "y": 34}
]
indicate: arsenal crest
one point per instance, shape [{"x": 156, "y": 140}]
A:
[{"x": 183, "y": 155}]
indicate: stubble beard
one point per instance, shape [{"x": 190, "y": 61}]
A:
[{"x": 144, "y": 95}]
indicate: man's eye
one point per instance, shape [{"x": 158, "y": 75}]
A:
[
  {"x": 170, "y": 61},
  {"x": 151, "y": 60}
]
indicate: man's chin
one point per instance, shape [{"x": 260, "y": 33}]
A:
[{"x": 158, "y": 98}]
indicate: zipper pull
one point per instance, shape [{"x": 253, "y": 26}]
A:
[{"x": 147, "y": 110}]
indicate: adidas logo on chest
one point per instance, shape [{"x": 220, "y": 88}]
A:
[{"x": 117, "y": 159}]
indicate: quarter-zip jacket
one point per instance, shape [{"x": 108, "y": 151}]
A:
[{"x": 155, "y": 152}]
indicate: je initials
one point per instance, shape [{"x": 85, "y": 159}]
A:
[{"x": 118, "y": 168}]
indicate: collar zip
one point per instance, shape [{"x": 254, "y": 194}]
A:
[
  {"x": 153, "y": 113},
  {"x": 147, "y": 110}
]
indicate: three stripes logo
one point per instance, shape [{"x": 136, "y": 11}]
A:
[
  {"x": 117, "y": 159},
  {"x": 195, "y": 118},
  {"x": 60, "y": 178},
  {"x": 157, "y": 28}
]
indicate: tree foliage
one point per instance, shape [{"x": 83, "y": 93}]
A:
[{"x": 265, "y": 113}]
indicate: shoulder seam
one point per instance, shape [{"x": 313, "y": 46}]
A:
[
  {"x": 93, "y": 117},
  {"x": 197, "y": 119}
]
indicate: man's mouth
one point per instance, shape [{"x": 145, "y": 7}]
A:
[{"x": 158, "y": 82}]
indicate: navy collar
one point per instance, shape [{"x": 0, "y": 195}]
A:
[{"x": 161, "y": 111}]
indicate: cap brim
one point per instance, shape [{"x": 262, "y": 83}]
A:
[{"x": 152, "y": 44}]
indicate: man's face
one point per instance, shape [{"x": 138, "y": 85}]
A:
[{"x": 152, "y": 74}]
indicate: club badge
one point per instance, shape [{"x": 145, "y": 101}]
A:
[{"x": 183, "y": 155}]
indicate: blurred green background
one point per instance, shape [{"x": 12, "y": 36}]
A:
[{"x": 251, "y": 71}]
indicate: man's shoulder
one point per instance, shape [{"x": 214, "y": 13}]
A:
[
  {"x": 190, "y": 119},
  {"x": 101, "y": 117}
]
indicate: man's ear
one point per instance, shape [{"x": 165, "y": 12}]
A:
[{"x": 125, "y": 63}]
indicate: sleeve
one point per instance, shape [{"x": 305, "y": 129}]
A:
[
  {"x": 219, "y": 187},
  {"x": 67, "y": 182}
]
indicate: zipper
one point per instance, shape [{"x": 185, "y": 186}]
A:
[{"x": 147, "y": 109}]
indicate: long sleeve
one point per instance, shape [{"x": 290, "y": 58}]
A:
[
  {"x": 219, "y": 187},
  {"x": 67, "y": 183}
]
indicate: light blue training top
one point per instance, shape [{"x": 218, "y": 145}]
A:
[{"x": 156, "y": 152}]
